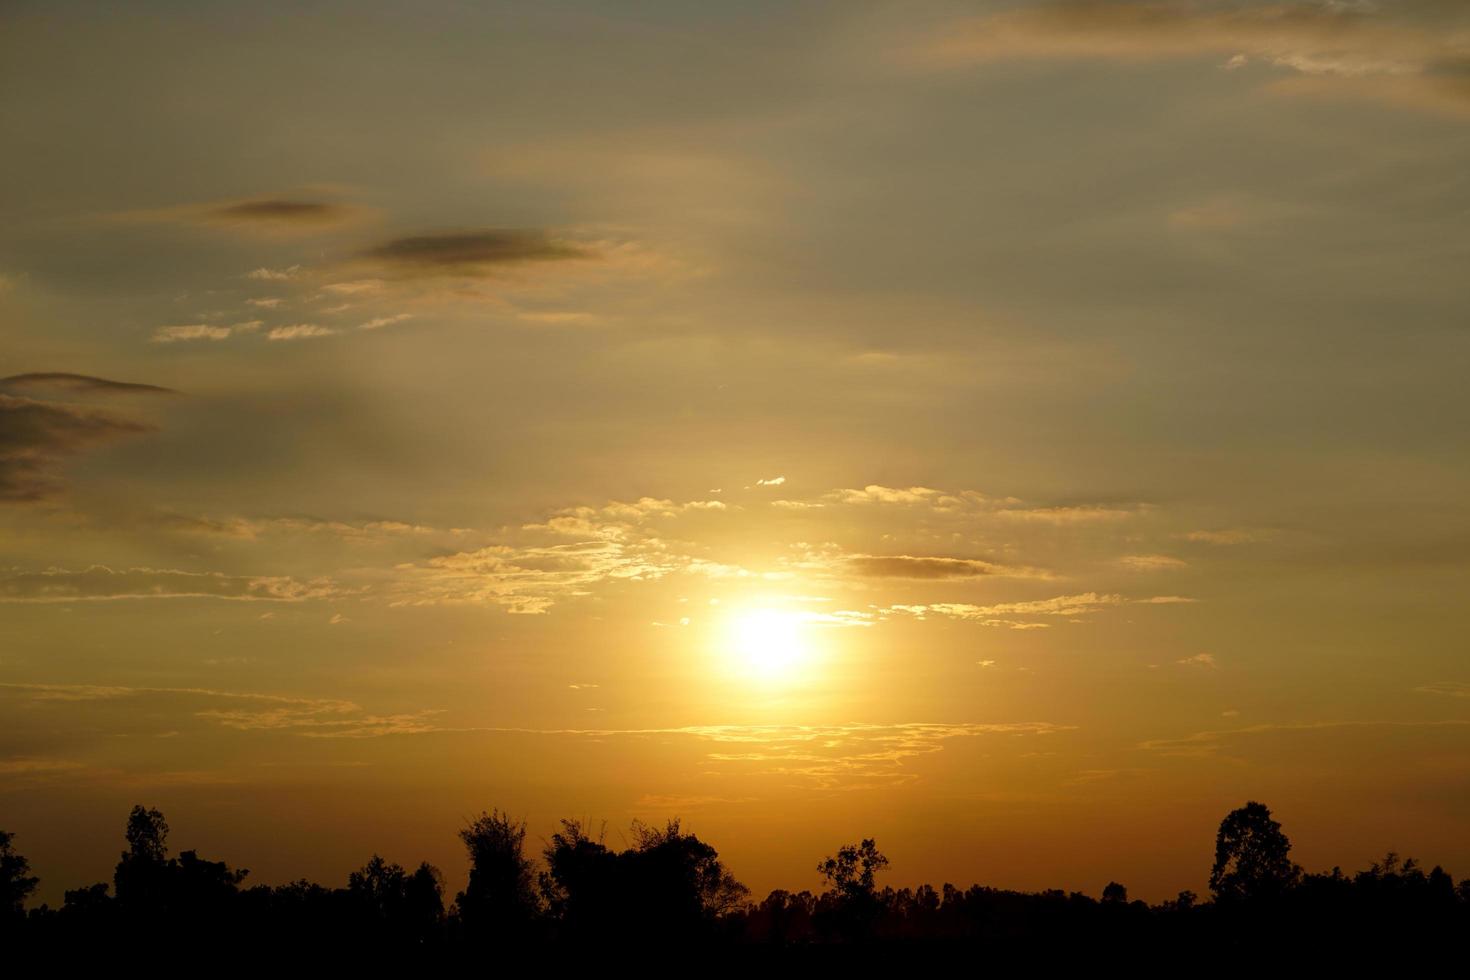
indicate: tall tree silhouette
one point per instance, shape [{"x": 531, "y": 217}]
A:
[
  {"x": 499, "y": 901},
  {"x": 1252, "y": 856},
  {"x": 852, "y": 889},
  {"x": 16, "y": 883},
  {"x": 138, "y": 880}
]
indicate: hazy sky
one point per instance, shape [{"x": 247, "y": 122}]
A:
[{"x": 1020, "y": 432}]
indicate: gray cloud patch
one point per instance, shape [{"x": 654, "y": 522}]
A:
[
  {"x": 279, "y": 211},
  {"x": 474, "y": 252},
  {"x": 84, "y": 383},
  {"x": 35, "y": 436}
]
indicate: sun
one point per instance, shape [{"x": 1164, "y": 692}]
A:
[{"x": 767, "y": 644}]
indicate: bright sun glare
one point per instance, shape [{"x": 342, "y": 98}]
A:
[{"x": 767, "y": 643}]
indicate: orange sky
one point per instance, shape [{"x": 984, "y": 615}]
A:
[{"x": 1019, "y": 432}]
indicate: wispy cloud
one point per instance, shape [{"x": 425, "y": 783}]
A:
[
  {"x": 1392, "y": 52},
  {"x": 202, "y": 331},
  {"x": 99, "y": 583},
  {"x": 274, "y": 275},
  {"x": 1151, "y": 563},
  {"x": 300, "y": 331}
]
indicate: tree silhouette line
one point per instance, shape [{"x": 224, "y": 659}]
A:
[{"x": 669, "y": 889}]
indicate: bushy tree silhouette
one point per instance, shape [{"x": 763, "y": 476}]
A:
[
  {"x": 394, "y": 907},
  {"x": 16, "y": 884},
  {"x": 668, "y": 887},
  {"x": 1252, "y": 857},
  {"x": 851, "y": 874},
  {"x": 499, "y": 902}
]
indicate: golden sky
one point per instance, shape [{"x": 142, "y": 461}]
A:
[{"x": 1019, "y": 432}]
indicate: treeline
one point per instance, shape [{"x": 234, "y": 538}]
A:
[{"x": 669, "y": 889}]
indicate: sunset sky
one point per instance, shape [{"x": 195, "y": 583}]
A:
[{"x": 1016, "y": 431}]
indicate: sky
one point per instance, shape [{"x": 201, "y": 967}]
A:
[{"x": 1018, "y": 432}]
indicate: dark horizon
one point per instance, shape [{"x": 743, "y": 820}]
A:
[{"x": 666, "y": 888}]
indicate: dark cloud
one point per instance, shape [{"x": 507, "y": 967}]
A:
[
  {"x": 277, "y": 211},
  {"x": 908, "y": 566},
  {"x": 474, "y": 252},
  {"x": 35, "y": 436},
  {"x": 84, "y": 383}
]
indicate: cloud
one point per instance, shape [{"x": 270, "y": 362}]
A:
[
  {"x": 267, "y": 215},
  {"x": 1227, "y": 536},
  {"x": 384, "y": 321},
  {"x": 1448, "y": 689},
  {"x": 30, "y": 766},
  {"x": 1062, "y": 605},
  {"x": 99, "y": 583},
  {"x": 1151, "y": 563},
  {"x": 846, "y": 757},
  {"x": 774, "y": 481},
  {"x": 473, "y": 253},
  {"x": 245, "y": 711},
  {"x": 1205, "y": 660},
  {"x": 1088, "y": 514},
  {"x": 530, "y": 579},
  {"x": 1208, "y": 743},
  {"x": 274, "y": 275},
  {"x": 591, "y": 547},
  {"x": 299, "y": 331},
  {"x": 189, "y": 331},
  {"x": 79, "y": 383},
  {"x": 202, "y": 331},
  {"x": 1390, "y": 54},
  {"x": 35, "y": 436},
  {"x": 908, "y": 566},
  {"x": 875, "y": 494},
  {"x": 244, "y": 527},
  {"x": 277, "y": 211},
  {"x": 998, "y": 613}
]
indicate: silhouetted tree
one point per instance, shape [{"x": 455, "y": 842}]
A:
[
  {"x": 669, "y": 887},
  {"x": 1113, "y": 892},
  {"x": 16, "y": 883},
  {"x": 852, "y": 872},
  {"x": 394, "y": 907},
  {"x": 500, "y": 899},
  {"x": 852, "y": 893},
  {"x": 579, "y": 884},
  {"x": 1252, "y": 856},
  {"x": 138, "y": 878},
  {"x": 687, "y": 871}
]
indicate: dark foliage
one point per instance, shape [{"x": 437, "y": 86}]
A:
[{"x": 668, "y": 890}]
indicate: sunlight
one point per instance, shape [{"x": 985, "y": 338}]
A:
[{"x": 767, "y": 644}]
